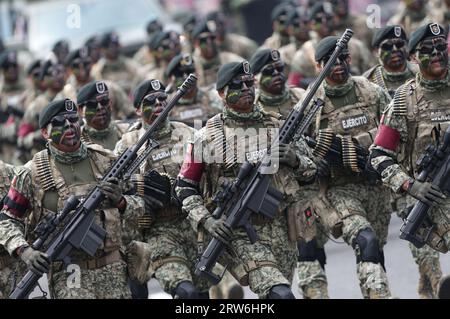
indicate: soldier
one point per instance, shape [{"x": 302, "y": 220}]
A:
[
  {"x": 304, "y": 69},
  {"x": 352, "y": 207},
  {"x": 41, "y": 187},
  {"x": 393, "y": 68},
  {"x": 35, "y": 87},
  {"x": 114, "y": 67},
  {"x": 416, "y": 115},
  {"x": 393, "y": 71},
  {"x": 231, "y": 42},
  {"x": 207, "y": 55},
  {"x": 94, "y": 107},
  {"x": 441, "y": 13},
  {"x": 30, "y": 138},
  {"x": 280, "y": 36},
  {"x": 94, "y": 48},
  {"x": 164, "y": 46},
  {"x": 299, "y": 28},
  {"x": 61, "y": 50},
  {"x": 187, "y": 42},
  {"x": 171, "y": 241},
  {"x": 79, "y": 64},
  {"x": 8, "y": 265},
  {"x": 267, "y": 265},
  {"x": 411, "y": 15},
  {"x": 11, "y": 110},
  {"x": 144, "y": 56},
  {"x": 273, "y": 94},
  {"x": 196, "y": 104}
]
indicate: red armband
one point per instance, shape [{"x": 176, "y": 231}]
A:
[
  {"x": 25, "y": 129},
  {"x": 387, "y": 137},
  {"x": 294, "y": 79},
  {"x": 16, "y": 204},
  {"x": 190, "y": 169}
]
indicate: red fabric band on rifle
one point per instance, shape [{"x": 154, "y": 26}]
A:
[
  {"x": 190, "y": 169},
  {"x": 25, "y": 129},
  {"x": 387, "y": 137},
  {"x": 16, "y": 203}
]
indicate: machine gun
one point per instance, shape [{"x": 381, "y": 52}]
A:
[
  {"x": 80, "y": 231},
  {"x": 251, "y": 192},
  {"x": 434, "y": 167}
]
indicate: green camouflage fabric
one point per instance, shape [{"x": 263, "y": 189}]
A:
[
  {"x": 143, "y": 56},
  {"x": 75, "y": 174},
  {"x": 425, "y": 107},
  {"x": 172, "y": 243},
  {"x": 357, "y": 204},
  {"x": 107, "y": 138},
  {"x": 276, "y": 41},
  {"x": 239, "y": 45},
  {"x": 281, "y": 104},
  {"x": 411, "y": 20},
  {"x": 287, "y": 53},
  {"x": 271, "y": 260}
]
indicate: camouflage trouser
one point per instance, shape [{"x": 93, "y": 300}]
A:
[
  {"x": 426, "y": 258},
  {"x": 8, "y": 275},
  {"x": 227, "y": 288},
  {"x": 108, "y": 282},
  {"x": 174, "y": 253},
  {"x": 364, "y": 207},
  {"x": 275, "y": 254},
  {"x": 312, "y": 280}
]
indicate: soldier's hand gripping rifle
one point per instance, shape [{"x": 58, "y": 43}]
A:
[
  {"x": 251, "y": 192},
  {"x": 434, "y": 166},
  {"x": 80, "y": 231}
]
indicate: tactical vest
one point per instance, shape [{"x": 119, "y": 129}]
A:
[
  {"x": 353, "y": 122},
  {"x": 220, "y": 141},
  {"x": 110, "y": 141},
  {"x": 46, "y": 177},
  {"x": 166, "y": 159},
  {"x": 375, "y": 75},
  {"x": 295, "y": 95},
  {"x": 425, "y": 112},
  {"x": 200, "y": 110}
]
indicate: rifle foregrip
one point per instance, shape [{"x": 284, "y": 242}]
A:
[
  {"x": 25, "y": 286},
  {"x": 414, "y": 220},
  {"x": 208, "y": 259}
]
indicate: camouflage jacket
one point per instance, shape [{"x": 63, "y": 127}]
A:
[
  {"x": 280, "y": 104},
  {"x": 239, "y": 45}
]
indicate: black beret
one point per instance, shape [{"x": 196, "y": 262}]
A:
[
  {"x": 93, "y": 41},
  {"x": 91, "y": 90},
  {"x": 61, "y": 44},
  {"x": 262, "y": 58},
  {"x": 188, "y": 19},
  {"x": 230, "y": 70},
  {"x": 180, "y": 62},
  {"x": 388, "y": 32},
  {"x": 427, "y": 31},
  {"x": 280, "y": 10},
  {"x": 107, "y": 38},
  {"x": 81, "y": 53},
  {"x": 35, "y": 65},
  {"x": 321, "y": 7},
  {"x": 159, "y": 37},
  {"x": 153, "y": 26},
  {"x": 325, "y": 46},
  {"x": 54, "y": 108},
  {"x": 7, "y": 58},
  {"x": 145, "y": 88},
  {"x": 298, "y": 13},
  {"x": 204, "y": 26},
  {"x": 46, "y": 65}
]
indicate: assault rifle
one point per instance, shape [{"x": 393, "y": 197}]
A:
[
  {"x": 251, "y": 192},
  {"x": 80, "y": 231},
  {"x": 434, "y": 166}
]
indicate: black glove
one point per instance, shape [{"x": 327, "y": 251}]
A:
[
  {"x": 286, "y": 155},
  {"x": 36, "y": 261},
  {"x": 218, "y": 229},
  {"x": 426, "y": 192},
  {"x": 323, "y": 169},
  {"x": 112, "y": 190}
]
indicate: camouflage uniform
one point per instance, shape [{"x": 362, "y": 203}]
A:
[
  {"x": 271, "y": 260},
  {"x": 143, "y": 56},
  {"x": 276, "y": 41},
  {"x": 8, "y": 265},
  {"x": 279, "y": 104},
  {"x": 205, "y": 105},
  {"x": 172, "y": 244},
  {"x": 107, "y": 138},
  {"x": 102, "y": 276},
  {"x": 354, "y": 204},
  {"x": 425, "y": 106},
  {"x": 411, "y": 20},
  {"x": 239, "y": 45},
  {"x": 124, "y": 72}
]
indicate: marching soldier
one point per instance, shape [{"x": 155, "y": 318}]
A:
[
  {"x": 280, "y": 36},
  {"x": 412, "y": 15},
  {"x": 61, "y": 50},
  {"x": 144, "y": 56},
  {"x": 414, "y": 119}
]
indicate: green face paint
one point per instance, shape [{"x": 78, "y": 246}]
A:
[
  {"x": 424, "y": 60},
  {"x": 266, "y": 80},
  {"x": 233, "y": 96}
]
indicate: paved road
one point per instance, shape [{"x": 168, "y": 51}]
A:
[{"x": 341, "y": 270}]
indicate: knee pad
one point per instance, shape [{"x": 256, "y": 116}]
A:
[
  {"x": 280, "y": 292},
  {"x": 185, "y": 290},
  {"x": 310, "y": 252},
  {"x": 367, "y": 247},
  {"x": 138, "y": 291}
]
